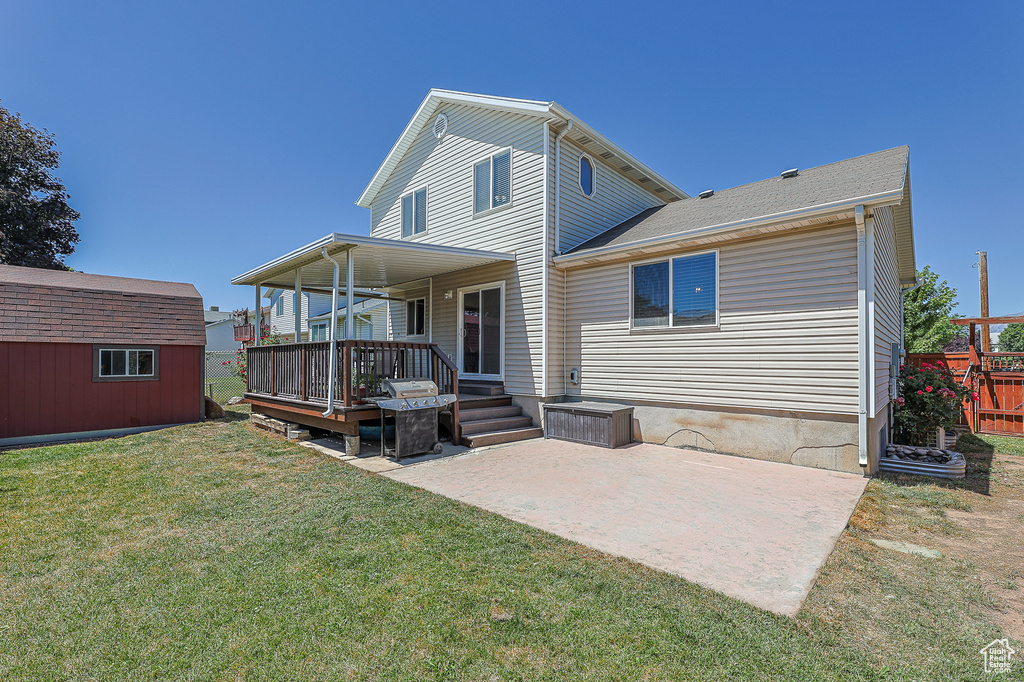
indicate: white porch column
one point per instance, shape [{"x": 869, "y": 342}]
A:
[
  {"x": 258, "y": 318},
  {"x": 298, "y": 306},
  {"x": 350, "y": 276}
]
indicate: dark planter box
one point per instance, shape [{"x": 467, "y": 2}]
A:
[{"x": 604, "y": 424}]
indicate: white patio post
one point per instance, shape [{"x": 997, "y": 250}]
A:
[
  {"x": 298, "y": 306},
  {"x": 258, "y": 318},
  {"x": 350, "y": 276}
]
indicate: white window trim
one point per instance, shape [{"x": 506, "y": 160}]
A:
[
  {"x": 511, "y": 174},
  {"x": 593, "y": 175},
  {"x": 426, "y": 218},
  {"x": 316, "y": 325},
  {"x": 670, "y": 326},
  {"x": 425, "y": 314},
  {"x": 279, "y": 305}
]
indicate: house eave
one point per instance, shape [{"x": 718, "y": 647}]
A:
[{"x": 610, "y": 252}]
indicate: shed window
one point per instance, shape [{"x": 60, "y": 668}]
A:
[
  {"x": 415, "y": 317},
  {"x": 587, "y": 172},
  {"x": 124, "y": 363},
  {"x": 677, "y": 292},
  {"x": 414, "y": 213},
  {"x": 492, "y": 182}
]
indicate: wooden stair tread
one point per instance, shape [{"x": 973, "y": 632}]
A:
[
  {"x": 492, "y": 425},
  {"x": 477, "y": 440}
]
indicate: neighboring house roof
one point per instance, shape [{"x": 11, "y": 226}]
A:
[
  {"x": 872, "y": 180},
  {"x": 74, "y": 307},
  {"x": 215, "y": 316},
  {"x": 581, "y": 134}
]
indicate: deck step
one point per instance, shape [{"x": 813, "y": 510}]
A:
[
  {"x": 500, "y": 424},
  {"x": 476, "y": 414},
  {"x": 474, "y": 402},
  {"x": 481, "y": 388},
  {"x": 478, "y": 440}
]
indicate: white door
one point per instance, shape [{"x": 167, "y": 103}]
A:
[{"x": 482, "y": 331}]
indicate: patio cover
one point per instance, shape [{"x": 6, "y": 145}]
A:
[{"x": 377, "y": 263}]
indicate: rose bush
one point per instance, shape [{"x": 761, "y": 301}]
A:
[
  {"x": 267, "y": 338},
  {"x": 930, "y": 398}
]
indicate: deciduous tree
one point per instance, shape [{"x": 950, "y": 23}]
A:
[
  {"x": 36, "y": 224},
  {"x": 926, "y": 313}
]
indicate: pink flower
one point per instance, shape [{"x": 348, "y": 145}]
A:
[
  {"x": 928, "y": 388},
  {"x": 920, "y": 392},
  {"x": 939, "y": 363},
  {"x": 901, "y": 401},
  {"x": 974, "y": 396}
]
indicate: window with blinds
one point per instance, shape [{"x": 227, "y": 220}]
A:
[
  {"x": 492, "y": 182},
  {"x": 414, "y": 213},
  {"x": 676, "y": 292}
]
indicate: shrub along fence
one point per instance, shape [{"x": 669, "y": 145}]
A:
[
  {"x": 222, "y": 378},
  {"x": 997, "y": 378}
]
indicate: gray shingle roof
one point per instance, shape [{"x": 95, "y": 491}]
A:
[{"x": 861, "y": 176}]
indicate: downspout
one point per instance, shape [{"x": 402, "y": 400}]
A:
[
  {"x": 332, "y": 369},
  {"x": 546, "y": 257},
  {"x": 862, "y": 339},
  {"x": 557, "y": 245}
]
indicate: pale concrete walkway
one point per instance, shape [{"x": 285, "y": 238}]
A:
[{"x": 757, "y": 531}]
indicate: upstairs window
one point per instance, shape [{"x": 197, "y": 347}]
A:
[
  {"x": 677, "y": 292},
  {"x": 415, "y": 317},
  {"x": 587, "y": 173},
  {"x": 414, "y": 213},
  {"x": 492, "y": 182}
]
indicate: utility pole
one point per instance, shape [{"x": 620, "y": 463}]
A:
[{"x": 986, "y": 341}]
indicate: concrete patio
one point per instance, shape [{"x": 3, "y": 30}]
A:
[{"x": 754, "y": 530}]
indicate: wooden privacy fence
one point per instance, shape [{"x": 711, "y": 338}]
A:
[{"x": 998, "y": 378}]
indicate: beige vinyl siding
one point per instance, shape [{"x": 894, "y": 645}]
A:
[
  {"x": 787, "y": 338},
  {"x": 888, "y": 300},
  {"x": 446, "y": 169},
  {"x": 615, "y": 199}
]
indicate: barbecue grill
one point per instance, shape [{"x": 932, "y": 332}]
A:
[{"x": 414, "y": 404}]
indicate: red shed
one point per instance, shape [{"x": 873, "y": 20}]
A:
[{"x": 81, "y": 353}]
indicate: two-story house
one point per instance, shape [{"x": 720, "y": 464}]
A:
[{"x": 544, "y": 263}]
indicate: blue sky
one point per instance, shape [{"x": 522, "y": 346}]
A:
[{"x": 201, "y": 139}]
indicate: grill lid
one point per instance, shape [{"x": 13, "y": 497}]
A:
[{"x": 410, "y": 388}]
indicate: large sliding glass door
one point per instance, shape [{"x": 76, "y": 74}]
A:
[{"x": 481, "y": 336}]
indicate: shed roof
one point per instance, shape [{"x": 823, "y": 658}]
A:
[
  {"x": 74, "y": 307},
  {"x": 873, "y": 179}
]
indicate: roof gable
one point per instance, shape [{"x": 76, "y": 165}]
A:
[{"x": 544, "y": 111}]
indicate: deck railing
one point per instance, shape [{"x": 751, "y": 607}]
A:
[{"x": 300, "y": 371}]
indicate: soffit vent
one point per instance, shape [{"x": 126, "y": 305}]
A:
[
  {"x": 791, "y": 173},
  {"x": 440, "y": 126},
  {"x": 706, "y": 194}
]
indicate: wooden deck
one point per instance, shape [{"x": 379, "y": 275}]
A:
[{"x": 291, "y": 381}]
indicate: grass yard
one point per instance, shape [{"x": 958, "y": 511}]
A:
[{"x": 215, "y": 551}]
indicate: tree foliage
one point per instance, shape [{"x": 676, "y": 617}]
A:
[
  {"x": 1011, "y": 339},
  {"x": 36, "y": 224},
  {"x": 926, "y": 313}
]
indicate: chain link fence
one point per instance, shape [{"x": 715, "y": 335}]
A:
[{"x": 222, "y": 380}]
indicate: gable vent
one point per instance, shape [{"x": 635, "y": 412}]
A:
[
  {"x": 706, "y": 193},
  {"x": 440, "y": 126},
  {"x": 791, "y": 173}
]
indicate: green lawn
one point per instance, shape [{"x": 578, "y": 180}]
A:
[{"x": 215, "y": 551}]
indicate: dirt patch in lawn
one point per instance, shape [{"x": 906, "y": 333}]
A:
[{"x": 964, "y": 599}]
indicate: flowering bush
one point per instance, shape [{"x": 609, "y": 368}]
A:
[
  {"x": 930, "y": 398},
  {"x": 267, "y": 338}
]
